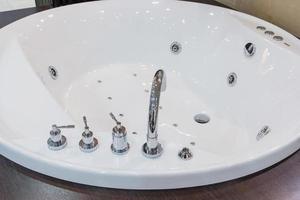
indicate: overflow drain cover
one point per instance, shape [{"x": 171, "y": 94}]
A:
[{"x": 201, "y": 118}]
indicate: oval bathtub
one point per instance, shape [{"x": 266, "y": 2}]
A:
[{"x": 103, "y": 57}]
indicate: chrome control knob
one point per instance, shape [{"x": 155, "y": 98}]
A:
[
  {"x": 57, "y": 141},
  {"x": 119, "y": 138},
  {"x": 88, "y": 143}
]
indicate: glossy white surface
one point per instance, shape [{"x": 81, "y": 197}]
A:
[{"x": 123, "y": 46}]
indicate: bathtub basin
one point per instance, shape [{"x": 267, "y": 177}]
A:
[{"x": 240, "y": 71}]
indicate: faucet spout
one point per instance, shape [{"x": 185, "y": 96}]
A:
[
  {"x": 158, "y": 85},
  {"x": 152, "y": 148}
]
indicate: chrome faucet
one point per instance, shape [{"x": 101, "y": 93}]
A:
[
  {"x": 152, "y": 148},
  {"x": 57, "y": 141}
]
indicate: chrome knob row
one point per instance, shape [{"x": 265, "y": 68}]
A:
[
  {"x": 151, "y": 149},
  {"x": 57, "y": 141},
  {"x": 88, "y": 142}
]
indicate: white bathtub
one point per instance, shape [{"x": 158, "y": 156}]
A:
[{"x": 106, "y": 54}]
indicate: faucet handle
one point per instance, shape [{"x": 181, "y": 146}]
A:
[
  {"x": 57, "y": 141},
  {"x": 65, "y": 126},
  {"x": 85, "y": 123},
  {"x": 114, "y": 118},
  {"x": 56, "y": 129}
]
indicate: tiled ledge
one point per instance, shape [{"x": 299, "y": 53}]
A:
[
  {"x": 6, "y": 5},
  {"x": 284, "y": 14}
]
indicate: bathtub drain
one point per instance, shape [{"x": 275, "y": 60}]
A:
[{"x": 201, "y": 118}]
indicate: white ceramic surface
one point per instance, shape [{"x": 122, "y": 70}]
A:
[{"x": 122, "y": 43}]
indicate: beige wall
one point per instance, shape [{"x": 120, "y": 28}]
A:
[{"x": 283, "y": 13}]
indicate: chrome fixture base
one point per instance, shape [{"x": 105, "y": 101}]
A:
[
  {"x": 55, "y": 146},
  {"x": 87, "y": 148},
  {"x": 88, "y": 143},
  {"x": 185, "y": 154},
  {"x": 152, "y": 152},
  {"x": 119, "y": 138},
  {"x": 120, "y": 151},
  {"x": 56, "y": 140}
]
